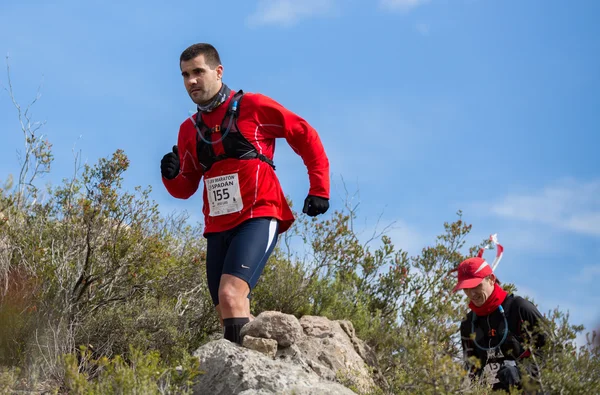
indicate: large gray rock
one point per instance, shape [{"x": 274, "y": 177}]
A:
[
  {"x": 332, "y": 350},
  {"x": 284, "y": 328},
  {"x": 230, "y": 370},
  {"x": 313, "y": 355}
]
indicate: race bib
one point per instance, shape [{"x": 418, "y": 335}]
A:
[
  {"x": 490, "y": 372},
  {"x": 224, "y": 195},
  {"x": 493, "y": 365}
]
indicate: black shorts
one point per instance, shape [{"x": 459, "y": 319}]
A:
[{"x": 242, "y": 252}]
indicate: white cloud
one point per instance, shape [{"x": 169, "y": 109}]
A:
[
  {"x": 288, "y": 12},
  {"x": 423, "y": 28},
  {"x": 568, "y": 205},
  {"x": 402, "y": 5}
]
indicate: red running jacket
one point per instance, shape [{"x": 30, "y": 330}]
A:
[{"x": 261, "y": 120}]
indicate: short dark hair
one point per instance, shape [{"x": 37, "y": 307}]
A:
[{"x": 211, "y": 56}]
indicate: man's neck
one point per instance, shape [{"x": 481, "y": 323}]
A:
[{"x": 217, "y": 99}]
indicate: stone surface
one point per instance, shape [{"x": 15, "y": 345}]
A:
[
  {"x": 332, "y": 348},
  {"x": 265, "y": 346},
  {"x": 230, "y": 369},
  {"x": 313, "y": 355},
  {"x": 284, "y": 328}
]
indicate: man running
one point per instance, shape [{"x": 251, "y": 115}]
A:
[
  {"x": 498, "y": 327},
  {"x": 230, "y": 143}
]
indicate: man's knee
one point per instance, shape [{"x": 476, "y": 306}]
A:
[
  {"x": 233, "y": 292},
  {"x": 228, "y": 296}
]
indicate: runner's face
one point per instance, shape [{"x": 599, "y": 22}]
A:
[
  {"x": 201, "y": 81},
  {"x": 482, "y": 292}
]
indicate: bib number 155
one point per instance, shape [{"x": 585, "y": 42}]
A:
[
  {"x": 224, "y": 195},
  {"x": 220, "y": 194}
]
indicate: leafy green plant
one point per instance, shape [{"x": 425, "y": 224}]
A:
[{"x": 139, "y": 373}]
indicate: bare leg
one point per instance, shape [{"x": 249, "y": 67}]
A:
[
  {"x": 218, "y": 308},
  {"x": 233, "y": 297},
  {"x": 248, "y": 313},
  {"x": 248, "y": 310}
]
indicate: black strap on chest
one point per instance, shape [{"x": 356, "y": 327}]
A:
[
  {"x": 508, "y": 332},
  {"x": 504, "y": 331},
  {"x": 235, "y": 145}
]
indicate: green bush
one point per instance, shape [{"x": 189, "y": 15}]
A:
[
  {"x": 139, "y": 373},
  {"x": 8, "y": 379}
]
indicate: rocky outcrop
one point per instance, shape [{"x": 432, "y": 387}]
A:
[
  {"x": 284, "y": 355},
  {"x": 229, "y": 369}
]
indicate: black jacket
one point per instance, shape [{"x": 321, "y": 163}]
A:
[{"x": 489, "y": 332}]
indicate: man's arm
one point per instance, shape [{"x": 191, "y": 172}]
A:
[
  {"x": 186, "y": 183},
  {"x": 276, "y": 122},
  {"x": 532, "y": 331},
  {"x": 531, "y": 326}
]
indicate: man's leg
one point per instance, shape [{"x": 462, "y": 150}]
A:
[
  {"x": 233, "y": 297},
  {"x": 248, "y": 251},
  {"x": 248, "y": 309},
  {"x": 233, "y": 294},
  {"x": 216, "y": 250},
  {"x": 218, "y": 308}
]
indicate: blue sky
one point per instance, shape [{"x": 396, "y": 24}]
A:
[{"x": 424, "y": 107}]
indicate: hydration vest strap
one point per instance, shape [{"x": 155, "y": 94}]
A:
[
  {"x": 203, "y": 132},
  {"x": 235, "y": 101},
  {"x": 266, "y": 160},
  {"x": 504, "y": 332},
  {"x": 249, "y": 155},
  {"x": 229, "y": 121}
]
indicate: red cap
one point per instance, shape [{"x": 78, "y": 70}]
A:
[{"x": 471, "y": 273}]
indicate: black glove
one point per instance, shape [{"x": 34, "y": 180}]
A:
[
  {"x": 314, "y": 205},
  {"x": 169, "y": 165},
  {"x": 509, "y": 376}
]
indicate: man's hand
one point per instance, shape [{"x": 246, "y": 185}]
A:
[
  {"x": 315, "y": 205},
  {"x": 509, "y": 376},
  {"x": 169, "y": 165}
]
